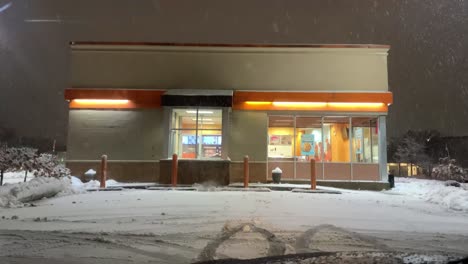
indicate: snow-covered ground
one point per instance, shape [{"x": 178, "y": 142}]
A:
[
  {"x": 455, "y": 198},
  {"x": 415, "y": 205},
  {"x": 406, "y": 217}
]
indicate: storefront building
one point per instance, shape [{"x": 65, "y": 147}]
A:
[{"x": 282, "y": 105}]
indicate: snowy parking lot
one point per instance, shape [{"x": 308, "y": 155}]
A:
[{"x": 180, "y": 224}]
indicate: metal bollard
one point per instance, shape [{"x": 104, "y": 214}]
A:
[
  {"x": 246, "y": 171},
  {"x": 103, "y": 171},
  {"x": 391, "y": 180},
  {"x": 175, "y": 165},
  {"x": 313, "y": 176}
]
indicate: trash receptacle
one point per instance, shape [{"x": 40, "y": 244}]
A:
[
  {"x": 391, "y": 180},
  {"x": 90, "y": 175},
  {"x": 276, "y": 175}
]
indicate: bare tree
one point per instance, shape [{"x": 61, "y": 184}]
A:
[
  {"x": 13, "y": 159},
  {"x": 28, "y": 159},
  {"x": 414, "y": 152},
  {"x": 4, "y": 158},
  {"x": 48, "y": 165}
]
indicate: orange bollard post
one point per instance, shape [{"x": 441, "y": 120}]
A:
[
  {"x": 246, "y": 171},
  {"x": 175, "y": 164},
  {"x": 313, "y": 177},
  {"x": 103, "y": 171}
]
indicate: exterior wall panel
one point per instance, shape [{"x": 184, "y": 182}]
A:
[
  {"x": 287, "y": 69},
  {"x": 122, "y": 135},
  {"x": 121, "y": 171},
  {"x": 248, "y": 135}
]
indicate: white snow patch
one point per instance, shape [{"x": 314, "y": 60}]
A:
[
  {"x": 433, "y": 191},
  {"x": 277, "y": 170},
  {"x": 90, "y": 173},
  {"x": 16, "y": 177},
  {"x": 14, "y": 195},
  {"x": 93, "y": 184}
]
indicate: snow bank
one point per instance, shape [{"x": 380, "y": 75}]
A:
[
  {"x": 93, "y": 184},
  {"x": 14, "y": 195},
  {"x": 455, "y": 198}
]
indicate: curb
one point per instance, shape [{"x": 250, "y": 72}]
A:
[
  {"x": 314, "y": 191},
  {"x": 172, "y": 189},
  {"x": 254, "y": 189}
]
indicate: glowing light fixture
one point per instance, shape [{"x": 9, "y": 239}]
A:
[
  {"x": 200, "y": 112},
  {"x": 365, "y": 105},
  {"x": 300, "y": 104},
  {"x": 202, "y": 119},
  {"x": 101, "y": 101},
  {"x": 318, "y": 105},
  {"x": 258, "y": 103}
]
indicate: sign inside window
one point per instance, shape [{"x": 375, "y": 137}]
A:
[{"x": 307, "y": 145}]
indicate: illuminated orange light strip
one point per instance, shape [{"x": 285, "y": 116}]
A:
[
  {"x": 101, "y": 101},
  {"x": 350, "y": 97},
  {"x": 258, "y": 103},
  {"x": 102, "y": 104},
  {"x": 300, "y": 104},
  {"x": 316, "y": 106},
  {"x": 356, "y": 104}
]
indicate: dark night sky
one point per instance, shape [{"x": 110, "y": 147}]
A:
[{"x": 428, "y": 68}]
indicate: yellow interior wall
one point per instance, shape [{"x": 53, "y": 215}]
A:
[
  {"x": 298, "y": 142},
  {"x": 209, "y": 132},
  {"x": 289, "y": 131},
  {"x": 339, "y": 145},
  {"x": 192, "y": 126},
  {"x": 280, "y": 131}
]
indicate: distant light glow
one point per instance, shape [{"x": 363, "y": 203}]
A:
[{"x": 101, "y": 101}]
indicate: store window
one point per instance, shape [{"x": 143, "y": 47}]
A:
[
  {"x": 309, "y": 139},
  {"x": 336, "y": 136},
  {"x": 365, "y": 147},
  {"x": 308, "y": 146},
  {"x": 197, "y": 133},
  {"x": 281, "y": 144},
  {"x": 281, "y": 137}
]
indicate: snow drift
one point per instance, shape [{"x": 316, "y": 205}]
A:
[
  {"x": 14, "y": 195},
  {"x": 433, "y": 191}
]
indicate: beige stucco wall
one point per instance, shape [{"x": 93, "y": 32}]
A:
[
  {"x": 121, "y": 134},
  {"x": 234, "y": 68},
  {"x": 248, "y": 135}
]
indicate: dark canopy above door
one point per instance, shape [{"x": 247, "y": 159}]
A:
[{"x": 204, "y": 98}]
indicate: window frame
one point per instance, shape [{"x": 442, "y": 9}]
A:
[
  {"x": 198, "y": 141},
  {"x": 323, "y": 116}
]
